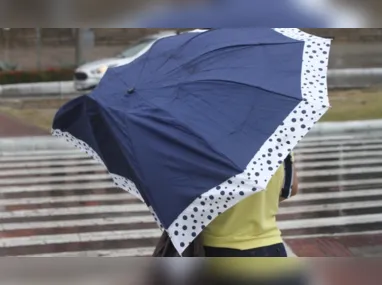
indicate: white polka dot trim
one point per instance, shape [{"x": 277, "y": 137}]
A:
[
  {"x": 271, "y": 155},
  {"x": 118, "y": 180}
]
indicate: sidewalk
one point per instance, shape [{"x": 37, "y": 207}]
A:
[
  {"x": 10, "y": 127},
  {"x": 356, "y": 245}
]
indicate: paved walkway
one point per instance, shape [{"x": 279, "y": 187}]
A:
[{"x": 11, "y": 127}]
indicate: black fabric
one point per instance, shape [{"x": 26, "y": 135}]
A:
[
  {"x": 165, "y": 248},
  {"x": 277, "y": 250},
  {"x": 288, "y": 168}
]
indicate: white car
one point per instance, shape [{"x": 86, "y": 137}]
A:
[{"x": 87, "y": 76}]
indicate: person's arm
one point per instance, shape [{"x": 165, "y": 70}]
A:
[
  {"x": 295, "y": 182},
  {"x": 290, "y": 187}
]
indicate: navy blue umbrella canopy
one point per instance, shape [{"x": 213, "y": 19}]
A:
[{"x": 202, "y": 120}]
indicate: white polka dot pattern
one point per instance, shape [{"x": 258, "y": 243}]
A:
[{"x": 262, "y": 167}]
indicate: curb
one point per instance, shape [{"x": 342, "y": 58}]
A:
[
  {"x": 33, "y": 89},
  {"x": 346, "y": 127},
  {"x": 53, "y": 143},
  {"x": 32, "y": 143},
  {"x": 337, "y": 78}
]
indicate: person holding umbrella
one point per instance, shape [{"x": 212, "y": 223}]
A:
[
  {"x": 249, "y": 229},
  {"x": 203, "y": 121}
]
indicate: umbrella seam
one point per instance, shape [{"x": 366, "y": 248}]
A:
[
  {"x": 222, "y": 48},
  {"x": 228, "y": 81},
  {"x": 192, "y": 132}
]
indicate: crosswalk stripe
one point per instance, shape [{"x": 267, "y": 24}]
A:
[
  {"x": 66, "y": 198},
  {"x": 39, "y": 192},
  {"x": 342, "y": 171},
  {"x": 332, "y": 221},
  {"x": 59, "y": 187},
  {"x": 341, "y": 155},
  {"x": 37, "y": 180},
  {"x": 364, "y": 233},
  {"x": 339, "y": 163},
  {"x": 340, "y": 138},
  {"x": 293, "y": 224},
  {"x": 41, "y": 158},
  {"x": 139, "y": 251},
  {"x": 329, "y": 207},
  {"x": 37, "y": 164},
  {"x": 74, "y": 211},
  {"x": 41, "y": 152},
  {"x": 335, "y": 195},
  {"x": 80, "y": 237},
  {"x": 339, "y": 148},
  {"x": 341, "y": 142},
  {"x": 40, "y": 171},
  {"x": 327, "y": 184},
  {"x": 77, "y": 223}
]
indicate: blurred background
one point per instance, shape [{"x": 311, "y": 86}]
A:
[
  {"x": 150, "y": 14},
  {"x": 56, "y": 202}
]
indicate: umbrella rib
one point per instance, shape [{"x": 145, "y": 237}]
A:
[{"x": 232, "y": 82}]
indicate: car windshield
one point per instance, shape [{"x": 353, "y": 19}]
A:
[{"x": 136, "y": 48}]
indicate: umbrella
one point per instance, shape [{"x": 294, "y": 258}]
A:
[
  {"x": 233, "y": 13},
  {"x": 202, "y": 120}
]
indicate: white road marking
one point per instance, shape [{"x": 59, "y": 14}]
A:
[
  {"x": 334, "y": 195},
  {"x": 78, "y": 223},
  {"x": 341, "y": 171},
  {"x": 37, "y": 180},
  {"x": 363, "y": 233},
  {"x": 67, "y": 198},
  {"x": 339, "y": 149},
  {"x": 74, "y": 211},
  {"x": 55, "y": 170},
  {"x": 53, "y": 157},
  {"x": 58, "y": 187},
  {"x": 58, "y": 163},
  {"x": 339, "y": 142},
  {"x": 338, "y": 183},
  {"x": 138, "y": 251},
  {"x": 80, "y": 237},
  {"x": 339, "y": 163},
  {"x": 329, "y": 207},
  {"x": 332, "y": 221},
  {"x": 338, "y": 156}
]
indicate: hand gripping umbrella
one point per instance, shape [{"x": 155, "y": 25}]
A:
[{"x": 202, "y": 120}]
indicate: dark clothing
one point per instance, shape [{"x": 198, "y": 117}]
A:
[
  {"x": 277, "y": 250},
  {"x": 165, "y": 248}
]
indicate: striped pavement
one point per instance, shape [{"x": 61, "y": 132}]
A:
[{"x": 60, "y": 203}]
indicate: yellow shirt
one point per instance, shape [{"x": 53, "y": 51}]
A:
[{"x": 251, "y": 223}]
